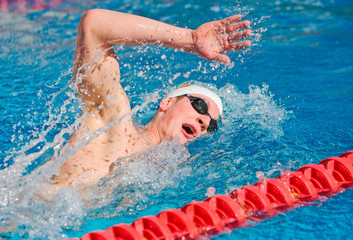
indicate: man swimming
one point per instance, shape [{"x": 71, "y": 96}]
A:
[{"x": 186, "y": 113}]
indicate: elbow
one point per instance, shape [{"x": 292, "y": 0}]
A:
[
  {"x": 87, "y": 22},
  {"x": 92, "y": 14},
  {"x": 91, "y": 22}
]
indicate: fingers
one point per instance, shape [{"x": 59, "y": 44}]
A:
[
  {"x": 232, "y": 19},
  {"x": 224, "y": 34},
  {"x": 235, "y": 26},
  {"x": 222, "y": 58},
  {"x": 238, "y": 45},
  {"x": 239, "y": 35},
  {"x": 232, "y": 46}
]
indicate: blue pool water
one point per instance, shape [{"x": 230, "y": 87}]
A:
[{"x": 288, "y": 102}]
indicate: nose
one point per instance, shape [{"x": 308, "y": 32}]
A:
[{"x": 203, "y": 121}]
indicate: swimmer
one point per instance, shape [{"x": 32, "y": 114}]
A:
[{"x": 186, "y": 113}]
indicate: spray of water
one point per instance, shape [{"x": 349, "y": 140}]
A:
[{"x": 136, "y": 179}]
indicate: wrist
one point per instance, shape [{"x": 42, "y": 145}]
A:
[
  {"x": 181, "y": 39},
  {"x": 193, "y": 40}
]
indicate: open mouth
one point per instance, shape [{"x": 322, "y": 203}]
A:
[{"x": 189, "y": 130}]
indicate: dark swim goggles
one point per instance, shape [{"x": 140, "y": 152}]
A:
[{"x": 201, "y": 107}]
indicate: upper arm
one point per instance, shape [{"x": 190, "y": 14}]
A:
[{"x": 97, "y": 74}]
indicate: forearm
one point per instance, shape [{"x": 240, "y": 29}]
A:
[{"x": 108, "y": 27}]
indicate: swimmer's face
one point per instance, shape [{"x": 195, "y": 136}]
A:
[{"x": 183, "y": 121}]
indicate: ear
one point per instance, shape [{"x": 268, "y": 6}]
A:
[{"x": 165, "y": 103}]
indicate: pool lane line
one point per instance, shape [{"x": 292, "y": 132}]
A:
[{"x": 224, "y": 213}]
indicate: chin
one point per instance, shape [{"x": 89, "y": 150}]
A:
[{"x": 182, "y": 139}]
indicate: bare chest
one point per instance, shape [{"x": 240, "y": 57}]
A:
[{"x": 94, "y": 160}]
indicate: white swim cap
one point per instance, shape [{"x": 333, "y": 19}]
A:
[{"x": 193, "y": 89}]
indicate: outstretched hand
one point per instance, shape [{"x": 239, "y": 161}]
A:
[{"x": 213, "y": 38}]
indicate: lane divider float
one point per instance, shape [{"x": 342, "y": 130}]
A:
[{"x": 220, "y": 213}]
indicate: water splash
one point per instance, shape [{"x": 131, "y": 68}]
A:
[
  {"x": 252, "y": 127},
  {"x": 28, "y": 212},
  {"x": 255, "y": 110},
  {"x": 135, "y": 180}
]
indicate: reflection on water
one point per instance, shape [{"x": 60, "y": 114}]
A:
[{"x": 22, "y": 6}]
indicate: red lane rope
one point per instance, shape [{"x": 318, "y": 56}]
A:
[{"x": 221, "y": 213}]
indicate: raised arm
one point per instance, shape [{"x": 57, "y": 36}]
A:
[
  {"x": 110, "y": 27},
  {"x": 100, "y": 29}
]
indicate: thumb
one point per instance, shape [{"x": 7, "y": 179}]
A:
[{"x": 222, "y": 58}]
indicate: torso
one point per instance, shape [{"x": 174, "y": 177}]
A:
[{"x": 93, "y": 161}]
